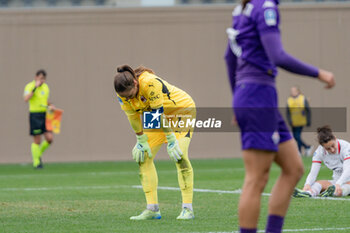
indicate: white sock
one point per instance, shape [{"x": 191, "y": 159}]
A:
[
  {"x": 345, "y": 189},
  {"x": 316, "y": 189},
  {"x": 153, "y": 207},
  {"x": 187, "y": 205}
]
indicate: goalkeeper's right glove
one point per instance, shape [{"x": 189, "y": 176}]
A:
[{"x": 142, "y": 146}]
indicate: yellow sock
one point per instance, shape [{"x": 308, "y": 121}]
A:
[
  {"x": 36, "y": 153},
  {"x": 149, "y": 177},
  {"x": 43, "y": 146},
  {"x": 185, "y": 172}
]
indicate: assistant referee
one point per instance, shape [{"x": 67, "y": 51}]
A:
[{"x": 36, "y": 93}]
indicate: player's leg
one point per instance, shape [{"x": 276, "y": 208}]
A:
[
  {"x": 292, "y": 170},
  {"x": 35, "y": 149},
  {"x": 255, "y": 110},
  {"x": 297, "y": 137},
  {"x": 36, "y": 130},
  {"x": 327, "y": 187},
  {"x": 47, "y": 142},
  {"x": 257, "y": 166},
  {"x": 345, "y": 189},
  {"x": 308, "y": 148},
  {"x": 149, "y": 181},
  {"x": 185, "y": 179}
]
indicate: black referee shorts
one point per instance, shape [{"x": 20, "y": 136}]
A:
[{"x": 37, "y": 123}]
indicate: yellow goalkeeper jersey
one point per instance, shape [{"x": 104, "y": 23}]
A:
[{"x": 155, "y": 93}]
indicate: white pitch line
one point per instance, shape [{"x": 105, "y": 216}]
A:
[
  {"x": 65, "y": 188},
  {"x": 297, "y": 230},
  {"x": 238, "y": 191},
  {"x": 114, "y": 173}
]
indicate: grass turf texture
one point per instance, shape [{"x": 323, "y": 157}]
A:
[{"x": 99, "y": 197}]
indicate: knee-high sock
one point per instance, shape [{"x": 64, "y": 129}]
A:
[
  {"x": 43, "y": 146},
  {"x": 149, "y": 178},
  {"x": 316, "y": 189},
  {"x": 345, "y": 189},
  {"x": 185, "y": 172},
  {"x": 36, "y": 153}
]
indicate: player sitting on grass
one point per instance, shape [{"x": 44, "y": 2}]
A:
[
  {"x": 140, "y": 91},
  {"x": 335, "y": 153}
]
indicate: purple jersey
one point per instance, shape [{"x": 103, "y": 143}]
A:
[
  {"x": 258, "y": 17},
  {"x": 255, "y": 47}
]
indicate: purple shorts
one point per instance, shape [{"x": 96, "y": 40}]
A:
[{"x": 261, "y": 124}]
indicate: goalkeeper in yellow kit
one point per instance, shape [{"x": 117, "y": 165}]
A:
[{"x": 140, "y": 91}]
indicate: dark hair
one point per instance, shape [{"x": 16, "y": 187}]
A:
[
  {"x": 244, "y": 3},
  {"x": 324, "y": 134},
  {"x": 124, "y": 79},
  {"x": 39, "y": 72},
  {"x": 139, "y": 70}
]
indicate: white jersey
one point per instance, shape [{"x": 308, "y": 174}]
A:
[{"x": 339, "y": 163}]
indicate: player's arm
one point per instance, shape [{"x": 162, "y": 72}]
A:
[
  {"x": 133, "y": 116},
  {"x": 268, "y": 19},
  {"x": 274, "y": 49},
  {"x": 344, "y": 178},
  {"x": 29, "y": 92},
  {"x": 135, "y": 122},
  {"x": 231, "y": 65},
  {"x": 268, "y": 27},
  {"x": 311, "y": 178},
  {"x": 50, "y": 106},
  {"x": 142, "y": 147},
  {"x": 315, "y": 168}
]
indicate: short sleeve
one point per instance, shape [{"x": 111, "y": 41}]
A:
[
  {"x": 268, "y": 18},
  {"x": 154, "y": 93},
  {"x": 28, "y": 89},
  {"x": 48, "y": 91}
]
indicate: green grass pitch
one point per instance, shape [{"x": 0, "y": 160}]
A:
[{"x": 100, "y": 197}]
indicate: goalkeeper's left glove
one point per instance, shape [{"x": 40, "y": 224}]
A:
[{"x": 173, "y": 148}]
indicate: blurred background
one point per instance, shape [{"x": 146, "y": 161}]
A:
[
  {"x": 81, "y": 42},
  {"x": 127, "y": 3}
]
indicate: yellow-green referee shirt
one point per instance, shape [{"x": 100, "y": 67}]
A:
[{"x": 39, "y": 100}]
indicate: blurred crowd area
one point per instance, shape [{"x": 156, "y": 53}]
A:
[{"x": 127, "y": 3}]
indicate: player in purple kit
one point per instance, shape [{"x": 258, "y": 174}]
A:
[{"x": 253, "y": 53}]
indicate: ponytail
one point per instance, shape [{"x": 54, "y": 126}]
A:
[
  {"x": 124, "y": 79},
  {"x": 139, "y": 70}
]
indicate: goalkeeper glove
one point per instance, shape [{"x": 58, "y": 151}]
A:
[
  {"x": 173, "y": 148},
  {"x": 142, "y": 146}
]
